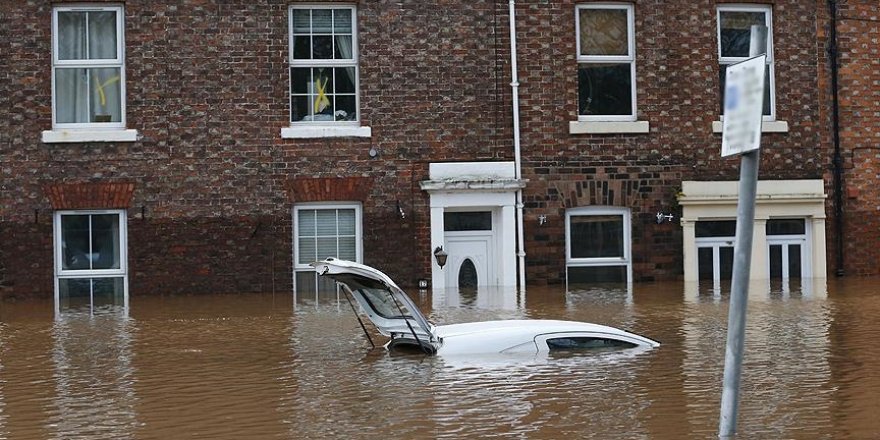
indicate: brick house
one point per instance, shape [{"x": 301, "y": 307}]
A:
[{"x": 220, "y": 145}]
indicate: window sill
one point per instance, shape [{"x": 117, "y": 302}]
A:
[
  {"x": 325, "y": 132},
  {"x": 766, "y": 127},
  {"x": 80, "y": 136},
  {"x": 608, "y": 127}
]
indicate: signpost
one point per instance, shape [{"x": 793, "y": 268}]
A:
[{"x": 741, "y": 134}]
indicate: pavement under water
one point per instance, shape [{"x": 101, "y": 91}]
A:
[{"x": 275, "y": 366}]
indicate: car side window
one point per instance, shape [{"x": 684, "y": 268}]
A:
[{"x": 581, "y": 343}]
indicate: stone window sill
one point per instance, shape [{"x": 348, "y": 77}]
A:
[
  {"x": 608, "y": 127},
  {"x": 766, "y": 127},
  {"x": 80, "y": 136},
  {"x": 324, "y": 132}
]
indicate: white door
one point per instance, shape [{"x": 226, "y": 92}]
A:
[{"x": 469, "y": 262}]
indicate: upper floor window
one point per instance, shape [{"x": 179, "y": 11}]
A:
[
  {"x": 606, "y": 62},
  {"x": 323, "y": 64},
  {"x": 734, "y": 34},
  {"x": 88, "y": 72}
]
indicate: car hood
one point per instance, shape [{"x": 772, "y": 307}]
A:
[{"x": 386, "y": 305}]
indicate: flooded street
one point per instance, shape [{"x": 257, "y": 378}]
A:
[{"x": 257, "y": 367}]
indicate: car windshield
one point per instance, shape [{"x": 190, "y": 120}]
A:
[{"x": 383, "y": 303}]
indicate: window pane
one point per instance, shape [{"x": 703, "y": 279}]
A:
[
  {"x": 306, "y": 223},
  {"x": 105, "y": 241},
  {"x": 327, "y": 247},
  {"x": 467, "y": 221},
  {"x": 346, "y": 221},
  {"x": 715, "y": 228},
  {"x": 775, "y": 261},
  {"x": 75, "y": 250},
  {"x": 604, "y": 32},
  {"x": 107, "y": 292},
  {"x": 346, "y": 110},
  {"x": 723, "y": 79},
  {"x": 605, "y": 89},
  {"x": 596, "y": 236},
  {"x": 72, "y": 40},
  {"x": 74, "y": 293},
  {"x": 586, "y": 343},
  {"x": 344, "y": 79},
  {"x": 596, "y": 274},
  {"x": 106, "y": 92},
  {"x": 300, "y": 77},
  {"x": 308, "y": 250},
  {"x": 347, "y": 248},
  {"x": 102, "y": 35},
  {"x": 301, "y": 21},
  {"x": 299, "y": 106},
  {"x": 342, "y": 21},
  {"x": 794, "y": 261},
  {"x": 736, "y": 31},
  {"x": 326, "y": 222},
  {"x": 305, "y": 284},
  {"x": 726, "y": 264},
  {"x": 322, "y": 47},
  {"x": 322, "y": 21},
  {"x": 71, "y": 95},
  {"x": 342, "y": 47},
  {"x": 302, "y": 47},
  {"x": 705, "y": 263},
  {"x": 788, "y": 226}
]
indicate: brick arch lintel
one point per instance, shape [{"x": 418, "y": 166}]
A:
[
  {"x": 326, "y": 189},
  {"x": 89, "y": 195}
]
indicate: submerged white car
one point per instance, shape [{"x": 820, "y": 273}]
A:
[{"x": 397, "y": 317}]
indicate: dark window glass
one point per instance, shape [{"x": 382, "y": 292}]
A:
[
  {"x": 722, "y": 228},
  {"x": 790, "y": 226},
  {"x": 776, "y": 261},
  {"x": 596, "y": 236},
  {"x": 794, "y": 261},
  {"x": 595, "y": 274},
  {"x": 736, "y": 27},
  {"x": 726, "y": 255},
  {"x": 605, "y": 89},
  {"x": 586, "y": 343},
  {"x": 467, "y": 221},
  {"x": 705, "y": 263},
  {"x": 467, "y": 275}
]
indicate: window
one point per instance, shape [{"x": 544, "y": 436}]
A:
[
  {"x": 90, "y": 259},
  {"x": 88, "y": 72},
  {"x": 322, "y": 231},
  {"x": 585, "y": 343},
  {"x": 598, "y": 245},
  {"x": 788, "y": 248},
  {"x": 323, "y": 65},
  {"x": 734, "y": 33},
  {"x": 714, "y": 240},
  {"x": 606, "y": 62}
]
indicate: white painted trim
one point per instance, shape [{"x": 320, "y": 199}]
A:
[
  {"x": 70, "y": 136},
  {"x": 608, "y": 127},
  {"x": 623, "y": 260},
  {"x": 766, "y": 126},
  {"x": 325, "y": 132}
]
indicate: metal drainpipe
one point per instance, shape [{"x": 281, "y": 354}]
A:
[
  {"x": 514, "y": 84},
  {"x": 837, "y": 162}
]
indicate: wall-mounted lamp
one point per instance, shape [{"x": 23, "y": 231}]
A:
[
  {"x": 542, "y": 219},
  {"x": 661, "y": 217},
  {"x": 400, "y": 210},
  {"x": 441, "y": 256}
]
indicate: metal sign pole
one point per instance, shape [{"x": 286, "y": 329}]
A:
[{"x": 742, "y": 262}]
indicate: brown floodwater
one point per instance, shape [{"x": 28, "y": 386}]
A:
[{"x": 274, "y": 366}]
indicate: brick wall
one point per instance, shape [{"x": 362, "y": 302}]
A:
[{"x": 207, "y": 85}]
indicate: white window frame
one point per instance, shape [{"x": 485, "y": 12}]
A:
[
  {"x": 619, "y": 59},
  {"x": 353, "y": 62},
  {"x": 122, "y": 271},
  {"x": 359, "y": 231},
  {"x": 725, "y": 61},
  {"x": 625, "y": 260},
  {"x": 118, "y": 62}
]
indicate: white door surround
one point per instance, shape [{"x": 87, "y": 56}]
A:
[{"x": 475, "y": 186}]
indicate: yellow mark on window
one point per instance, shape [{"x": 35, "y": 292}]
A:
[
  {"x": 321, "y": 101},
  {"x": 99, "y": 86}
]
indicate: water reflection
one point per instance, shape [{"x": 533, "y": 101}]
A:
[
  {"x": 93, "y": 374},
  {"x": 255, "y": 366}
]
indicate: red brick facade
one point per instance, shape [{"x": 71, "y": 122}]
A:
[{"x": 211, "y": 183}]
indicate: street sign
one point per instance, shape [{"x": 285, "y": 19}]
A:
[{"x": 743, "y": 106}]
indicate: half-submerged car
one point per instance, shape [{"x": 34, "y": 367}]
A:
[{"x": 397, "y": 317}]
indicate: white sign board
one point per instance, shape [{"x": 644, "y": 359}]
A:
[{"x": 743, "y": 106}]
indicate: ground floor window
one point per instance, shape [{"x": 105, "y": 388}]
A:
[
  {"x": 91, "y": 269},
  {"x": 598, "y": 245},
  {"x": 322, "y": 231},
  {"x": 788, "y": 248},
  {"x": 714, "y": 241}
]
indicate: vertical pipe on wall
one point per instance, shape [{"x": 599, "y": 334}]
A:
[
  {"x": 514, "y": 84},
  {"x": 836, "y": 162}
]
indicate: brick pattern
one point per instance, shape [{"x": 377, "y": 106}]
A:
[
  {"x": 100, "y": 195},
  {"x": 207, "y": 87}
]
